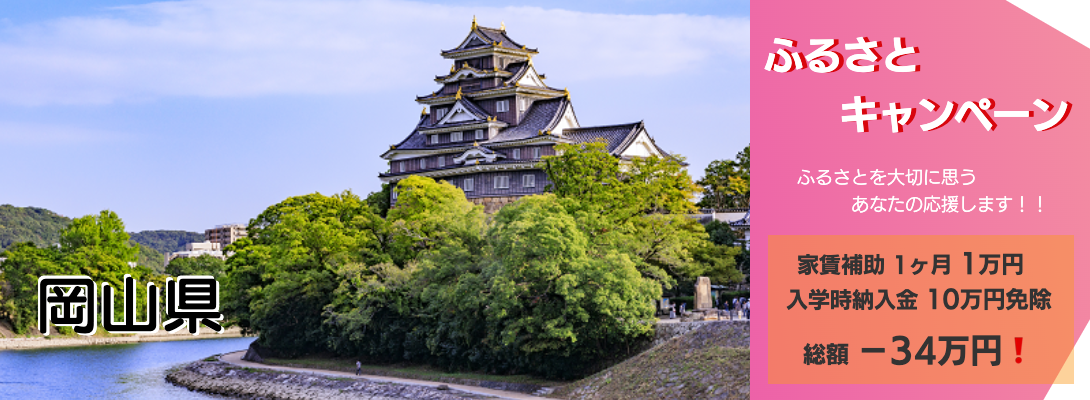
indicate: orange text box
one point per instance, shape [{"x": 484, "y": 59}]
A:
[{"x": 1047, "y": 262}]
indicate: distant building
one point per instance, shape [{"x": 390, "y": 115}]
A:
[
  {"x": 196, "y": 250},
  {"x": 225, "y": 234}
]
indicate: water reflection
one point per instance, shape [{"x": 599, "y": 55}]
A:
[{"x": 129, "y": 371}]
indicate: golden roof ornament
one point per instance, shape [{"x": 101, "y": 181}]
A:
[
  {"x": 475, "y": 144},
  {"x": 567, "y": 93},
  {"x": 452, "y": 69},
  {"x": 459, "y": 94},
  {"x": 474, "y": 26},
  {"x": 524, "y": 47},
  {"x": 424, "y": 111},
  {"x": 502, "y": 27}
]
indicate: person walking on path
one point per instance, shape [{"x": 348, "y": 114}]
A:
[{"x": 358, "y": 367}]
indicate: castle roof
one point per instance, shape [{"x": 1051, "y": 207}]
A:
[
  {"x": 481, "y": 38},
  {"x": 543, "y": 115},
  {"x": 548, "y": 117},
  {"x": 615, "y": 136}
]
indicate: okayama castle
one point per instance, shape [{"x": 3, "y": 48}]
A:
[{"x": 493, "y": 120}]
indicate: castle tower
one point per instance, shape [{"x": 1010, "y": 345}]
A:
[{"x": 493, "y": 118}]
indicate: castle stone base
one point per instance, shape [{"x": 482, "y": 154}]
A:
[{"x": 493, "y": 204}]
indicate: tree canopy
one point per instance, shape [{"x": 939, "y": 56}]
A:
[
  {"x": 726, "y": 183},
  {"x": 552, "y": 284},
  {"x": 94, "y": 245}
]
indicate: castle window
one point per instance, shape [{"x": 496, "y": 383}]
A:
[
  {"x": 537, "y": 152},
  {"x": 440, "y": 113},
  {"x": 501, "y": 106},
  {"x": 434, "y": 139},
  {"x": 500, "y": 182},
  {"x": 468, "y": 185},
  {"x": 442, "y": 161},
  {"x": 528, "y": 181},
  {"x": 516, "y": 154},
  {"x": 402, "y": 164},
  {"x": 423, "y": 163},
  {"x": 478, "y": 134},
  {"x": 456, "y": 136}
]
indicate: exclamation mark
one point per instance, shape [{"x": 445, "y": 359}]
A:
[
  {"x": 1022, "y": 203},
  {"x": 1038, "y": 203},
  {"x": 1018, "y": 349}
]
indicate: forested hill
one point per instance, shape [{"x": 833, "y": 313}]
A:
[
  {"x": 166, "y": 241},
  {"x": 43, "y": 227},
  {"x": 30, "y": 224}
]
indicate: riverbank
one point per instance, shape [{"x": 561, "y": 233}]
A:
[
  {"x": 688, "y": 360},
  {"x": 232, "y": 376},
  {"x": 73, "y": 341}
]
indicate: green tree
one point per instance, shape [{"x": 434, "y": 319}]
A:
[
  {"x": 25, "y": 264},
  {"x": 430, "y": 213},
  {"x": 94, "y": 245},
  {"x": 380, "y": 200},
  {"x": 204, "y": 264},
  {"x": 638, "y": 205},
  {"x": 726, "y": 183},
  {"x": 717, "y": 262},
  {"x": 721, "y": 233},
  {"x": 381, "y": 304},
  {"x": 99, "y": 247},
  {"x": 282, "y": 277},
  {"x": 549, "y": 295}
]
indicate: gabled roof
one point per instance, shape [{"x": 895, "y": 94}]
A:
[
  {"x": 481, "y": 37},
  {"x": 462, "y": 103}
]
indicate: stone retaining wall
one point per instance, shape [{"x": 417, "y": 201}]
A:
[
  {"x": 225, "y": 379},
  {"x": 665, "y": 332}
]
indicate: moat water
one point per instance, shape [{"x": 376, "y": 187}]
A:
[{"x": 127, "y": 371}]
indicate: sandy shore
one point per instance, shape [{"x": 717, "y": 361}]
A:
[{"x": 161, "y": 336}]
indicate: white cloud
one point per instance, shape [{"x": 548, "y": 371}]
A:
[
  {"x": 17, "y": 133},
  {"x": 213, "y": 48}
]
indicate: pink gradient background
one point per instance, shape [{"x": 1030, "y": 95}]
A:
[{"x": 968, "y": 50}]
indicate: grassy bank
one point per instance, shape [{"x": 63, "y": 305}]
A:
[{"x": 709, "y": 363}]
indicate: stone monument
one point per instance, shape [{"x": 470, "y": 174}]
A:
[{"x": 702, "y": 299}]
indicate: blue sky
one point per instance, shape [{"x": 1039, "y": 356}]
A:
[{"x": 189, "y": 114}]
